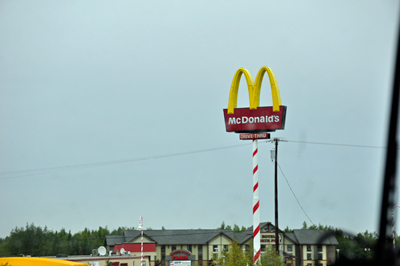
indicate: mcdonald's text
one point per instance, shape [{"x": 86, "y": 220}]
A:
[{"x": 262, "y": 119}]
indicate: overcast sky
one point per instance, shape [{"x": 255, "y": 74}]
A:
[{"x": 112, "y": 110}]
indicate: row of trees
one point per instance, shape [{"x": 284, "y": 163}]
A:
[
  {"x": 234, "y": 256},
  {"x": 36, "y": 241},
  {"x": 235, "y": 229}
]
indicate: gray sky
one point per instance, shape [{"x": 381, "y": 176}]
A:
[{"x": 97, "y": 82}]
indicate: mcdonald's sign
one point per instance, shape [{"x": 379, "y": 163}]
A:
[{"x": 254, "y": 119}]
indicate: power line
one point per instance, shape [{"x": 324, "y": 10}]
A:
[
  {"x": 49, "y": 170},
  {"x": 298, "y": 202},
  {"x": 22, "y": 173},
  {"x": 337, "y": 144}
]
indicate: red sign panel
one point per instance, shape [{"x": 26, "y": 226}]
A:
[
  {"x": 254, "y": 136},
  {"x": 262, "y": 119}
]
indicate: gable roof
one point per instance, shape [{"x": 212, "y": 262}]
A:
[
  {"x": 203, "y": 236},
  {"x": 111, "y": 240},
  {"x": 314, "y": 237},
  {"x": 171, "y": 237},
  {"x": 248, "y": 234}
]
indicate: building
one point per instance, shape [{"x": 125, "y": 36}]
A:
[
  {"x": 302, "y": 247},
  {"x": 114, "y": 260}
]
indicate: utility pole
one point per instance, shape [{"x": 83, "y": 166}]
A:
[
  {"x": 274, "y": 156},
  {"x": 276, "y": 196}
]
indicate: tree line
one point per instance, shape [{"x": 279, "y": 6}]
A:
[
  {"x": 37, "y": 241},
  {"x": 235, "y": 228}
]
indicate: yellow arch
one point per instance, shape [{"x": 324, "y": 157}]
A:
[
  {"x": 254, "y": 89},
  {"x": 25, "y": 261},
  {"x": 276, "y": 96},
  {"x": 235, "y": 88}
]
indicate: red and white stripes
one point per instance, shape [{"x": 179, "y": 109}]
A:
[
  {"x": 256, "y": 204},
  {"x": 141, "y": 245}
]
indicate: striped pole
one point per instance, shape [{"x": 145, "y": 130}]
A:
[
  {"x": 141, "y": 245},
  {"x": 256, "y": 204}
]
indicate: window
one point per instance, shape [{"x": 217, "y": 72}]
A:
[
  {"x": 308, "y": 247},
  {"x": 200, "y": 252},
  {"x": 289, "y": 248},
  {"x": 226, "y": 247},
  {"x": 309, "y": 264},
  {"x": 124, "y": 264},
  {"x": 319, "y": 248},
  {"x": 309, "y": 256},
  {"x": 162, "y": 256},
  {"x": 215, "y": 248},
  {"x": 173, "y": 247},
  {"x": 163, "y": 248},
  {"x": 189, "y": 247},
  {"x": 263, "y": 248},
  {"x": 319, "y": 256}
]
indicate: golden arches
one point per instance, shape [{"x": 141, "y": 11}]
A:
[{"x": 254, "y": 89}]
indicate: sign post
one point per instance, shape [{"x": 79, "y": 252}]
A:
[{"x": 254, "y": 123}]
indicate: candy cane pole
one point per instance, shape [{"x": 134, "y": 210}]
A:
[
  {"x": 141, "y": 245},
  {"x": 256, "y": 204}
]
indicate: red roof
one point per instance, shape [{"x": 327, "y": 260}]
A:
[{"x": 136, "y": 247}]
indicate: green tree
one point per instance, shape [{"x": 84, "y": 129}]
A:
[
  {"x": 288, "y": 230},
  {"x": 222, "y": 225},
  {"x": 304, "y": 225},
  {"x": 270, "y": 258},
  {"x": 234, "y": 256},
  {"x": 236, "y": 228}
]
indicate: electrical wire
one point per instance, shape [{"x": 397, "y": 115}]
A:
[
  {"x": 21, "y": 173},
  {"x": 298, "y": 202},
  {"x": 337, "y": 144},
  {"x": 49, "y": 170}
]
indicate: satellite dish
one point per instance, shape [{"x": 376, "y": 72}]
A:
[
  {"x": 122, "y": 251},
  {"x": 102, "y": 251}
]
